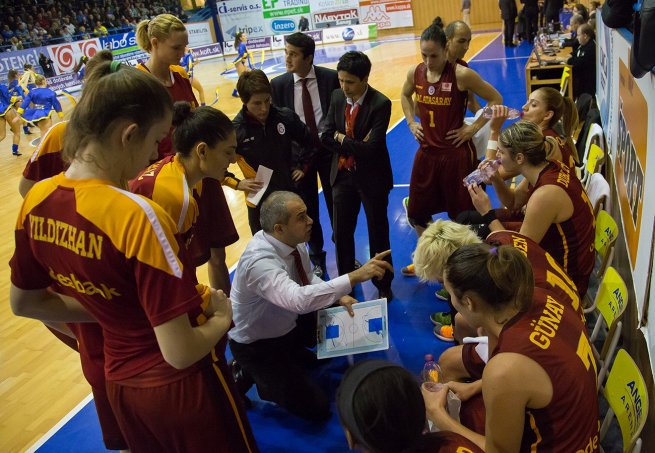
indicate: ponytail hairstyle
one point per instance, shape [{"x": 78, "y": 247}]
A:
[
  {"x": 114, "y": 92},
  {"x": 237, "y": 40},
  {"x": 434, "y": 33},
  {"x": 204, "y": 124},
  {"x": 381, "y": 405},
  {"x": 100, "y": 57},
  {"x": 501, "y": 276},
  {"x": 39, "y": 80},
  {"x": 564, "y": 110},
  {"x": 438, "y": 21},
  {"x": 525, "y": 137},
  {"x": 161, "y": 27}
]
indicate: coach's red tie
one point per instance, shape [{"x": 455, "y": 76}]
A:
[
  {"x": 301, "y": 271},
  {"x": 348, "y": 162},
  {"x": 308, "y": 109}
]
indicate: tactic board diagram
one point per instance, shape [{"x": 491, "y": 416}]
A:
[{"x": 340, "y": 334}]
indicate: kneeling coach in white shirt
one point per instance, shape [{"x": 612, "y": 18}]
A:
[{"x": 274, "y": 299}]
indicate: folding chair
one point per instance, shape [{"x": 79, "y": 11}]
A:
[
  {"x": 595, "y": 161},
  {"x": 611, "y": 300},
  {"x": 564, "y": 82},
  {"x": 594, "y": 138},
  {"x": 593, "y": 117},
  {"x": 598, "y": 191},
  {"x": 626, "y": 393},
  {"x": 605, "y": 237}
]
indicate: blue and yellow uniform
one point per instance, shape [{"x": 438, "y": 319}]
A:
[
  {"x": 188, "y": 63},
  {"x": 16, "y": 92},
  {"x": 5, "y": 100},
  {"x": 243, "y": 55},
  {"x": 38, "y": 105}
]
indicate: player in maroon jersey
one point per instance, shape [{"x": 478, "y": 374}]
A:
[
  {"x": 114, "y": 256},
  {"x": 541, "y": 374},
  {"x": 558, "y": 214},
  {"x": 446, "y": 153},
  {"x": 165, "y": 38}
]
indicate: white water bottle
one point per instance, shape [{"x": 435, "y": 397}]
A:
[
  {"x": 481, "y": 175},
  {"x": 488, "y": 112}
]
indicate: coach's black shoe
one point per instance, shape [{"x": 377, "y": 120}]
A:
[{"x": 241, "y": 378}]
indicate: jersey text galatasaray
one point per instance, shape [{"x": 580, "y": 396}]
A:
[
  {"x": 434, "y": 100},
  {"x": 83, "y": 243}
]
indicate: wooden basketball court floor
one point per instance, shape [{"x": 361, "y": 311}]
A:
[{"x": 40, "y": 378}]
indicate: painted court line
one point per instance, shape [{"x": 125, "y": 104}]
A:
[{"x": 60, "y": 424}]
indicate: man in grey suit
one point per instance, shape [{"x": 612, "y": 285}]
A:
[{"x": 306, "y": 89}]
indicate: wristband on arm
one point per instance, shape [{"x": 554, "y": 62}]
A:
[{"x": 489, "y": 217}]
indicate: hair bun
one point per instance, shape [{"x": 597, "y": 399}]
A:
[{"x": 181, "y": 111}]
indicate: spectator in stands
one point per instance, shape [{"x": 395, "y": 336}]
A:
[
  {"x": 22, "y": 33},
  {"x": 7, "y": 33},
  {"x": 65, "y": 35},
  {"x": 16, "y": 44},
  {"x": 100, "y": 30},
  {"x": 70, "y": 28},
  {"x": 83, "y": 33}
]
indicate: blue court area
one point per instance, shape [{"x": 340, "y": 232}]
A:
[{"x": 410, "y": 328}]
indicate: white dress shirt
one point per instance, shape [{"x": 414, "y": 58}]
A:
[
  {"x": 312, "y": 86},
  {"x": 266, "y": 294}
]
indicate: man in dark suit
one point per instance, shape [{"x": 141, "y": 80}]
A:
[
  {"x": 583, "y": 62},
  {"x": 303, "y": 24},
  {"x": 307, "y": 86},
  {"x": 356, "y": 132},
  {"x": 508, "y": 14}
]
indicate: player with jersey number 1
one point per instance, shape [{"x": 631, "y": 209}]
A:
[{"x": 446, "y": 153}]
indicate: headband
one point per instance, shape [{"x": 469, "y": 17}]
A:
[{"x": 346, "y": 393}]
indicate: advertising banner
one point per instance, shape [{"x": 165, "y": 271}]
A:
[
  {"x": 16, "y": 60},
  {"x": 65, "y": 56},
  {"x": 630, "y": 156},
  {"x": 277, "y": 41},
  {"x": 604, "y": 76},
  {"x": 282, "y": 16},
  {"x": 242, "y": 16},
  {"x": 61, "y": 82},
  {"x": 334, "y": 13},
  {"x": 123, "y": 47},
  {"x": 199, "y": 34},
  {"x": 351, "y": 33},
  {"x": 263, "y": 42},
  {"x": 208, "y": 51},
  {"x": 387, "y": 13}
]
